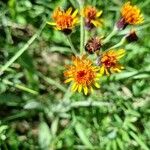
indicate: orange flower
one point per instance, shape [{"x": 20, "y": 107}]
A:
[
  {"x": 131, "y": 14},
  {"x": 109, "y": 61},
  {"x": 64, "y": 21},
  {"x": 91, "y": 15},
  {"x": 83, "y": 74}
]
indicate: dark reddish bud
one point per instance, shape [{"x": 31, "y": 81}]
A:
[
  {"x": 93, "y": 45},
  {"x": 132, "y": 37},
  {"x": 66, "y": 31},
  {"x": 121, "y": 24}
]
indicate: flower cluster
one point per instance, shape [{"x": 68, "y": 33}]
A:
[{"x": 84, "y": 73}]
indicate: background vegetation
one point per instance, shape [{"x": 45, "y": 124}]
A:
[{"x": 37, "y": 112}]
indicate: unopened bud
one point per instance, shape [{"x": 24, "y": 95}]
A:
[
  {"x": 93, "y": 45},
  {"x": 121, "y": 24},
  {"x": 67, "y": 31},
  {"x": 132, "y": 36}
]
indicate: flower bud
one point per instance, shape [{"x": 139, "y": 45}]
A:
[
  {"x": 93, "y": 45},
  {"x": 132, "y": 36},
  {"x": 121, "y": 24},
  {"x": 67, "y": 31}
]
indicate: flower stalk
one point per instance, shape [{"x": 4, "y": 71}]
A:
[
  {"x": 122, "y": 42},
  {"x": 82, "y": 24},
  {"x": 19, "y": 86},
  {"x": 71, "y": 45},
  {"x": 114, "y": 32}
]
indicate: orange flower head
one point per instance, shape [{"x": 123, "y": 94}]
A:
[
  {"x": 109, "y": 61},
  {"x": 82, "y": 74},
  {"x": 91, "y": 15},
  {"x": 64, "y": 21},
  {"x": 131, "y": 14}
]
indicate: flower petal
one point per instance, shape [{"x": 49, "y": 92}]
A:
[
  {"x": 68, "y": 12},
  {"x": 69, "y": 80},
  {"x": 74, "y": 87},
  {"x": 97, "y": 85},
  {"x": 79, "y": 88},
  {"x": 95, "y": 23},
  {"x": 75, "y": 13},
  {"x": 99, "y": 13},
  {"x": 85, "y": 90},
  {"x": 120, "y": 53},
  {"x": 51, "y": 23},
  {"x": 102, "y": 70}
]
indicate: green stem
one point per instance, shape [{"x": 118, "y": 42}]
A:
[
  {"x": 89, "y": 103},
  {"x": 20, "y": 52},
  {"x": 82, "y": 31},
  {"x": 21, "y": 87},
  {"x": 114, "y": 31},
  {"x": 122, "y": 42},
  {"x": 82, "y": 35},
  {"x": 7, "y": 30},
  {"x": 71, "y": 45},
  {"x": 87, "y": 35},
  {"x": 52, "y": 82}
]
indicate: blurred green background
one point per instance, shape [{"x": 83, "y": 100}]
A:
[{"x": 37, "y": 112}]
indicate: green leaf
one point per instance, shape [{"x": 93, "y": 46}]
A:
[
  {"x": 125, "y": 136},
  {"x": 138, "y": 140},
  {"x": 82, "y": 135},
  {"x": 32, "y": 105},
  {"x": 108, "y": 146},
  {"x": 114, "y": 145},
  {"x": 120, "y": 143},
  {"x": 44, "y": 136},
  {"x": 54, "y": 126},
  {"x": 3, "y": 128}
]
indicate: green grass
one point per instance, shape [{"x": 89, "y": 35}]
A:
[{"x": 38, "y": 111}]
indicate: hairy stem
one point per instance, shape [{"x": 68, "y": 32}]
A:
[
  {"x": 71, "y": 45},
  {"x": 21, "y": 87},
  {"x": 122, "y": 42},
  {"x": 114, "y": 31},
  {"x": 82, "y": 31}
]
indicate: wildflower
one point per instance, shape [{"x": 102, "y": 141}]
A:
[
  {"x": 91, "y": 15},
  {"x": 132, "y": 36},
  {"x": 64, "y": 21},
  {"x": 109, "y": 61},
  {"x": 82, "y": 74},
  {"x": 93, "y": 45},
  {"x": 130, "y": 15}
]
